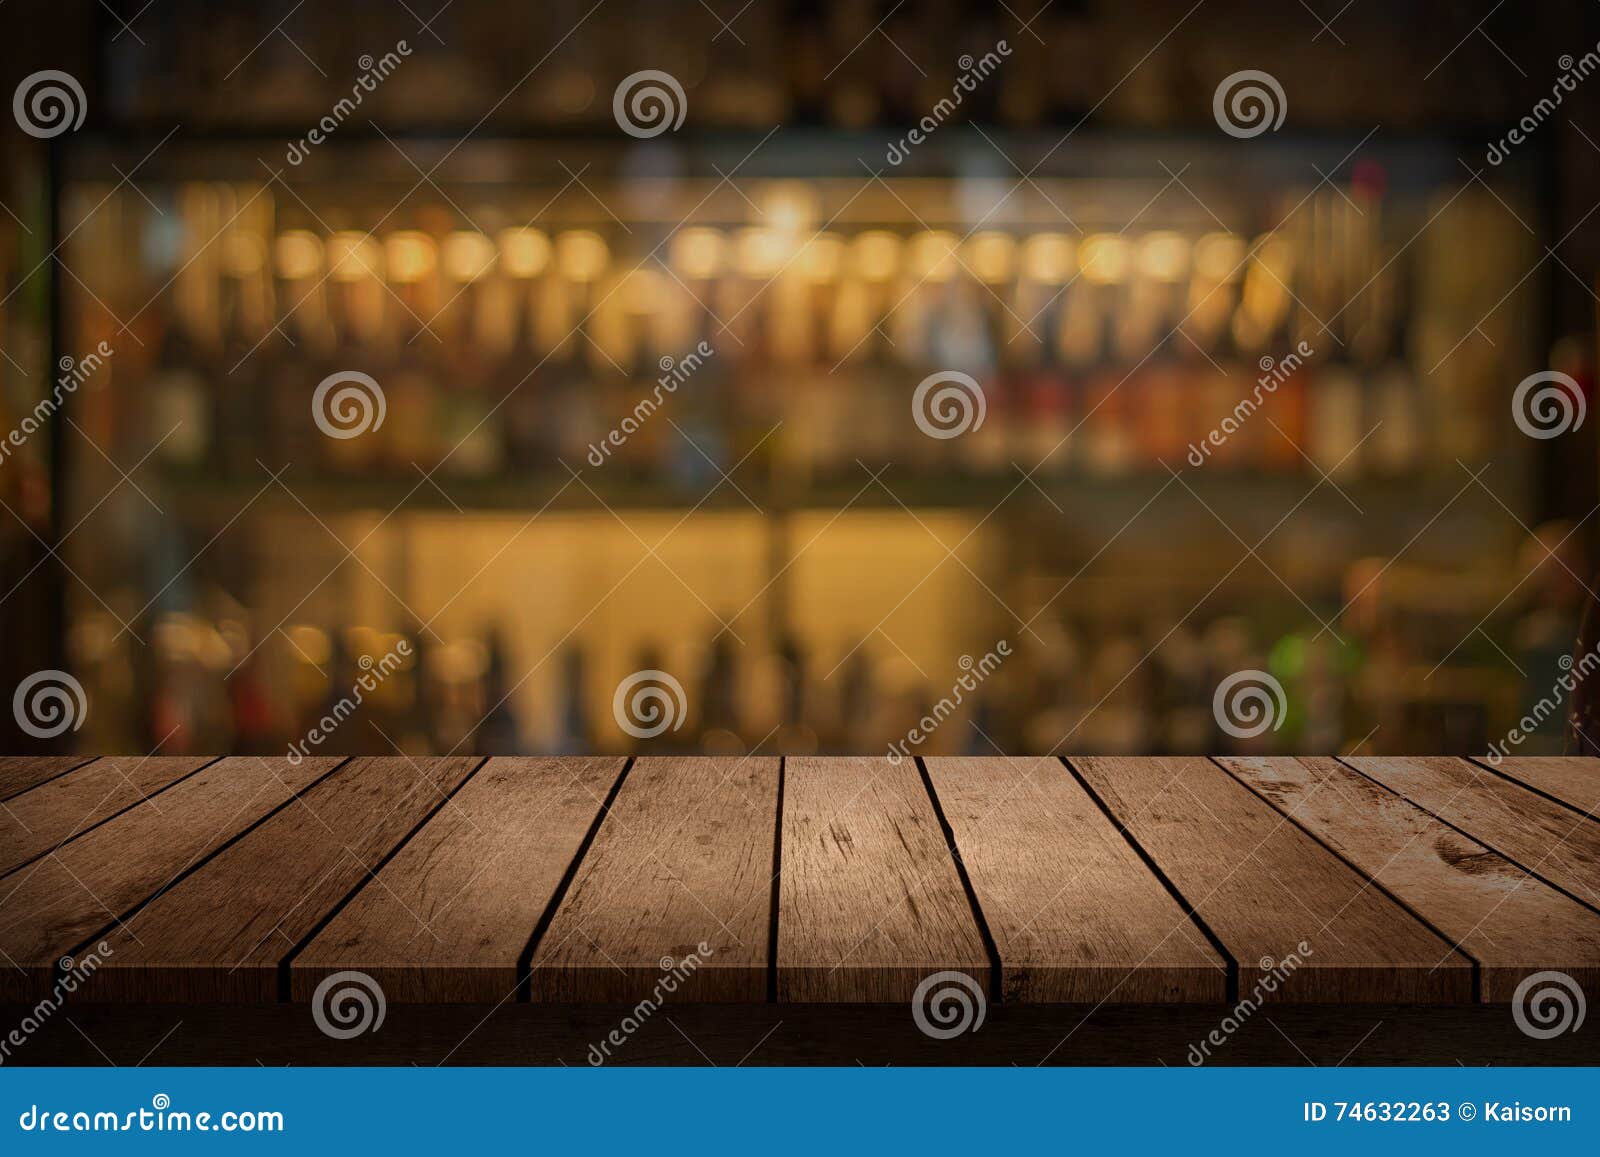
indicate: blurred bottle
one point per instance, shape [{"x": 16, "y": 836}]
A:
[
  {"x": 466, "y": 418},
  {"x": 499, "y": 732},
  {"x": 519, "y": 379},
  {"x": 1045, "y": 420},
  {"x": 573, "y": 736},
  {"x": 180, "y": 416},
  {"x": 1395, "y": 399}
]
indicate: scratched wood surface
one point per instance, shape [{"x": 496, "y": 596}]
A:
[
  {"x": 1572, "y": 780},
  {"x": 1271, "y": 893},
  {"x": 1510, "y": 922},
  {"x": 47, "y": 816},
  {"x": 870, "y": 901},
  {"x": 1076, "y": 915},
  {"x": 18, "y": 773},
  {"x": 1552, "y": 841},
  {"x": 59, "y": 903},
  {"x": 1424, "y": 881},
  {"x": 220, "y": 933},
  {"x": 674, "y": 897},
  {"x": 448, "y": 918}
]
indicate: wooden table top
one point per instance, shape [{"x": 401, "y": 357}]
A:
[{"x": 1089, "y": 879}]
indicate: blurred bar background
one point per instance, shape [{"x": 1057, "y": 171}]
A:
[{"x": 1079, "y": 236}]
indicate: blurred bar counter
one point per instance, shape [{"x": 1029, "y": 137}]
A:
[
  {"x": 564, "y": 489},
  {"x": 689, "y": 443}
]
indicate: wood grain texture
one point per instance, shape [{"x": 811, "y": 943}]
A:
[
  {"x": 1266, "y": 889},
  {"x": 1510, "y": 922},
  {"x": 246, "y": 873},
  {"x": 870, "y": 902},
  {"x": 1075, "y": 913},
  {"x": 1551, "y": 841},
  {"x": 448, "y": 919},
  {"x": 683, "y": 858},
  {"x": 1574, "y": 780},
  {"x": 18, "y": 773},
  {"x": 52, "y": 813},
  {"x": 53, "y": 905},
  {"x": 220, "y": 933}
]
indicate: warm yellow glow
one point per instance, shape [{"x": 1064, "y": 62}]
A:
[
  {"x": 1164, "y": 255},
  {"x": 876, "y": 254},
  {"x": 468, "y": 255},
  {"x": 821, "y": 258},
  {"x": 298, "y": 254},
  {"x": 354, "y": 255},
  {"x": 1219, "y": 256},
  {"x": 1277, "y": 255},
  {"x": 310, "y": 643},
  {"x": 581, "y": 254},
  {"x": 787, "y": 206},
  {"x": 524, "y": 252},
  {"x": 933, "y": 255},
  {"x": 1266, "y": 283},
  {"x": 410, "y": 254},
  {"x": 642, "y": 290},
  {"x": 1106, "y": 258},
  {"x": 364, "y": 640},
  {"x": 760, "y": 252},
  {"x": 698, "y": 253},
  {"x": 1047, "y": 257},
  {"x": 244, "y": 253},
  {"x": 992, "y": 257}
]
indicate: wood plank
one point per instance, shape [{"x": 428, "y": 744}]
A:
[
  {"x": 1075, "y": 913},
  {"x": 52, "y": 906},
  {"x": 47, "y": 816},
  {"x": 18, "y": 773},
  {"x": 1572, "y": 779},
  {"x": 1551, "y": 841},
  {"x": 449, "y": 918},
  {"x": 683, "y": 858},
  {"x": 1510, "y": 922},
  {"x": 1265, "y": 888},
  {"x": 221, "y": 933},
  {"x": 870, "y": 902}
]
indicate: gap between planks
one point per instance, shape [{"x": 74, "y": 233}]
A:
[{"x": 1062, "y": 764}]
